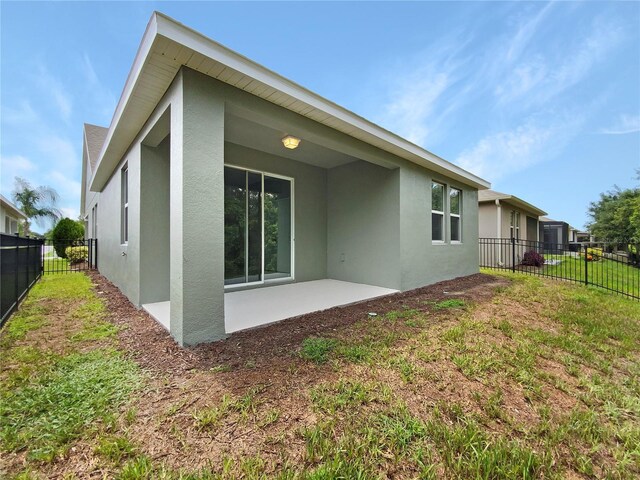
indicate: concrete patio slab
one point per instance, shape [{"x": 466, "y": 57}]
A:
[
  {"x": 261, "y": 306},
  {"x": 160, "y": 311},
  {"x": 251, "y": 308}
]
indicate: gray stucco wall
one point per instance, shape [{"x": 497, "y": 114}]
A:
[
  {"x": 363, "y": 223},
  {"x": 424, "y": 262},
  {"x": 358, "y": 222},
  {"x": 310, "y": 205},
  {"x": 120, "y": 263},
  {"x": 155, "y": 229}
]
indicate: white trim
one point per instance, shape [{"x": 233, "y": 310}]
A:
[
  {"x": 162, "y": 31},
  {"x": 456, "y": 215},
  {"x": 439, "y": 212},
  {"x": 124, "y": 205}
]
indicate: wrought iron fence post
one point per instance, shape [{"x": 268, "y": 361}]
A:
[
  {"x": 586, "y": 265},
  {"x": 513, "y": 254}
]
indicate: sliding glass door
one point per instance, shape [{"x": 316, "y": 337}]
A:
[{"x": 257, "y": 227}]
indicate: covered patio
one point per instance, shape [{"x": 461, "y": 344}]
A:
[{"x": 261, "y": 306}]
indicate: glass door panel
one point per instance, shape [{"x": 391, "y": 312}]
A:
[
  {"x": 235, "y": 208},
  {"x": 277, "y": 227}
]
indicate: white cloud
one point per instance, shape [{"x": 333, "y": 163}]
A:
[
  {"x": 101, "y": 96},
  {"x": 539, "y": 78},
  {"x": 505, "y": 153},
  {"x": 14, "y": 166},
  {"x": 624, "y": 125},
  {"x": 56, "y": 92},
  {"x": 57, "y": 151},
  {"x": 500, "y": 154}
]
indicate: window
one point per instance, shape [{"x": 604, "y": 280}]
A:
[
  {"x": 437, "y": 212},
  {"x": 455, "y": 211},
  {"x": 124, "y": 219},
  {"x": 94, "y": 221},
  {"x": 514, "y": 227},
  {"x": 7, "y": 225}
]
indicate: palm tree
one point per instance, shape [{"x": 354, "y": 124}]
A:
[{"x": 36, "y": 203}]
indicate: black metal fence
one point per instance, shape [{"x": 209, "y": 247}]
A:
[
  {"x": 67, "y": 256},
  {"x": 20, "y": 268},
  {"x": 614, "y": 266}
]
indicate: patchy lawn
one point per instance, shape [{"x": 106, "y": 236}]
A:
[{"x": 504, "y": 376}]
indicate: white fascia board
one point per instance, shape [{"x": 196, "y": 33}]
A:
[
  {"x": 518, "y": 202},
  {"x": 10, "y": 207},
  {"x": 160, "y": 24},
  {"x": 196, "y": 41}
]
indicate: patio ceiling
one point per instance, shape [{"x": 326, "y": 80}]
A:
[{"x": 168, "y": 45}]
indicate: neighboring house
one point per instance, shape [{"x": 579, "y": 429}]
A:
[
  {"x": 213, "y": 221},
  {"x": 504, "y": 216},
  {"x": 507, "y": 216},
  {"x": 579, "y": 236},
  {"x": 93, "y": 140},
  {"x": 10, "y": 217},
  {"x": 554, "y": 234}
]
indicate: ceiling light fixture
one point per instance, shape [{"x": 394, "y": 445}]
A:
[{"x": 290, "y": 142}]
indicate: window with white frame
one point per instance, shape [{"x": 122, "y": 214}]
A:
[
  {"x": 514, "y": 226},
  {"x": 437, "y": 212},
  {"x": 455, "y": 214},
  {"x": 124, "y": 219},
  {"x": 94, "y": 221}
]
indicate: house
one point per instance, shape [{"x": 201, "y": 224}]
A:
[
  {"x": 502, "y": 217},
  {"x": 507, "y": 216},
  {"x": 228, "y": 197},
  {"x": 10, "y": 217},
  {"x": 554, "y": 234}
]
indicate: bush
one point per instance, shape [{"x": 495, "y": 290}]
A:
[
  {"x": 65, "y": 234},
  {"x": 532, "y": 259},
  {"x": 77, "y": 254}
]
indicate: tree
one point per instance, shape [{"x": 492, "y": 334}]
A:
[
  {"x": 37, "y": 203},
  {"x": 616, "y": 216},
  {"x": 65, "y": 234}
]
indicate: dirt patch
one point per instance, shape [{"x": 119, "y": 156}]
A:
[{"x": 273, "y": 345}]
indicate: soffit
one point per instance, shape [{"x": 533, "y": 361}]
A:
[{"x": 168, "y": 45}]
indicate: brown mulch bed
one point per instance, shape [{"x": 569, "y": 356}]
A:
[{"x": 274, "y": 344}]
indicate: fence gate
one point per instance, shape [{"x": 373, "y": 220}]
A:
[{"x": 68, "y": 256}]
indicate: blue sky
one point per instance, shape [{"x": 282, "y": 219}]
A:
[{"x": 541, "y": 99}]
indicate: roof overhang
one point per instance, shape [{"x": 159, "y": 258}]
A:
[
  {"x": 10, "y": 207},
  {"x": 168, "y": 45},
  {"x": 517, "y": 202}
]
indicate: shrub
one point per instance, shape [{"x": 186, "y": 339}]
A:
[
  {"x": 77, "y": 254},
  {"x": 532, "y": 259},
  {"x": 64, "y": 234}
]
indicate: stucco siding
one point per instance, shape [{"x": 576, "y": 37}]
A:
[
  {"x": 423, "y": 261},
  {"x": 363, "y": 223},
  {"x": 118, "y": 262},
  {"x": 488, "y": 220}
]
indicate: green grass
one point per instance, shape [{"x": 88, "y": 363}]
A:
[
  {"x": 540, "y": 381},
  {"x": 605, "y": 273},
  {"x": 78, "y": 390},
  {"x": 451, "y": 303},
  {"x": 49, "y": 398},
  {"x": 317, "y": 349}
]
